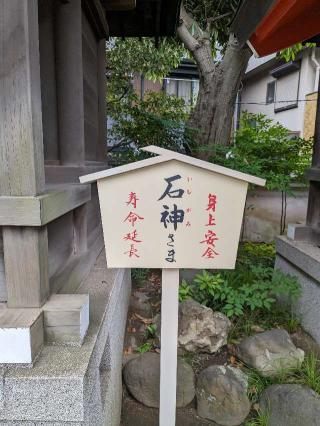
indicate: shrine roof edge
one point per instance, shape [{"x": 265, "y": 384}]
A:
[{"x": 165, "y": 155}]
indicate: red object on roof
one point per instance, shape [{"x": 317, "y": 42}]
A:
[{"x": 288, "y": 22}]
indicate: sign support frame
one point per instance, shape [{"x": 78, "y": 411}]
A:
[{"x": 169, "y": 346}]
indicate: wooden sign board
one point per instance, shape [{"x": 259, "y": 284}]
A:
[{"x": 171, "y": 211}]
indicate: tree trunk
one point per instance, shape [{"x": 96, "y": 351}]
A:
[{"x": 212, "y": 117}]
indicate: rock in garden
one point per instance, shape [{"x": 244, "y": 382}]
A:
[
  {"x": 222, "y": 395},
  {"x": 140, "y": 303},
  {"x": 304, "y": 341},
  {"x": 200, "y": 329},
  {"x": 290, "y": 405},
  {"x": 142, "y": 378},
  {"x": 270, "y": 352}
]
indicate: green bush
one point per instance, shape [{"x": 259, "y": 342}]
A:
[
  {"x": 263, "y": 148},
  {"x": 158, "y": 119},
  {"x": 252, "y": 286}
]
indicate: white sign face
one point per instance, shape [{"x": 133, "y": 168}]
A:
[{"x": 171, "y": 215}]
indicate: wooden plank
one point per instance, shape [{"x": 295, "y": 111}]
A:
[
  {"x": 61, "y": 246},
  {"x": 48, "y": 80},
  {"x": 61, "y": 174},
  {"x": 42, "y": 209},
  {"x": 169, "y": 344},
  {"x": 26, "y": 266},
  {"x": 120, "y": 5},
  {"x": 248, "y": 18},
  {"x": 58, "y": 203},
  {"x": 69, "y": 66},
  {"x": 15, "y": 318},
  {"x": 80, "y": 229},
  {"x": 97, "y": 17},
  {"x": 78, "y": 267},
  {"x": 21, "y": 144},
  {"x": 102, "y": 142},
  {"x": 37, "y": 336}
]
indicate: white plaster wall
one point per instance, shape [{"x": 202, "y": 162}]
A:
[
  {"x": 263, "y": 213},
  {"x": 255, "y": 88}
]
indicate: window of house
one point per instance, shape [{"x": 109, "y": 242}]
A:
[
  {"x": 271, "y": 92},
  {"x": 183, "y": 88},
  {"x": 287, "y": 92}
]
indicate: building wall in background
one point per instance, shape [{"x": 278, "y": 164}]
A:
[
  {"x": 293, "y": 86},
  {"x": 310, "y": 115}
]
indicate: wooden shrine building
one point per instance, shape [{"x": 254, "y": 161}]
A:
[{"x": 52, "y": 272}]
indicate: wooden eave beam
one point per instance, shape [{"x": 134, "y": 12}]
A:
[
  {"x": 120, "y": 5},
  {"x": 42, "y": 209},
  {"x": 96, "y": 15}
]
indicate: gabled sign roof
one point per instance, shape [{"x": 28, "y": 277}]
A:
[{"x": 166, "y": 155}]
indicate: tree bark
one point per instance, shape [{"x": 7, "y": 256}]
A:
[{"x": 212, "y": 117}]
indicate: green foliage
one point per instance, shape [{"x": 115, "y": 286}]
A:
[
  {"x": 262, "y": 254},
  {"x": 151, "y": 330},
  {"x": 158, "y": 119},
  {"x": 291, "y": 53},
  {"x": 145, "y": 347},
  {"x": 213, "y": 19},
  {"x": 139, "y": 275},
  {"x": 252, "y": 287},
  {"x": 308, "y": 374},
  {"x": 247, "y": 288},
  {"x": 264, "y": 319},
  {"x": 185, "y": 291},
  {"x": 260, "y": 419},
  {"x": 263, "y": 148},
  {"x": 141, "y": 55}
]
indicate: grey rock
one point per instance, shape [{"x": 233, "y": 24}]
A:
[
  {"x": 305, "y": 342},
  {"x": 270, "y": 352},
  {"x": 290, "y": 405},
  {"x": 222, "y": 395},
  {"x": 200, "y": 329},
  {"x": 141, "y": 303},
  {"x": 142, "y": 378}
]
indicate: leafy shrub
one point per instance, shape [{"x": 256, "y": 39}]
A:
[
  {"x": 264, "y": 148},
  {"x": 252, "y": 286},
  {"x": 139, "y": 275},
  {"x": 158, "y": 119},
  {"x": 257, "y": 254},
  {"x": 145, "y": 347}
]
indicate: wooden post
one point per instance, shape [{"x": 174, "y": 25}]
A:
[
  {"x": 69, "y": 65},
  {"x": 21, "y": 149},
  {"x": 169, "y": 337},
  {"x": 102, "y": 142}
]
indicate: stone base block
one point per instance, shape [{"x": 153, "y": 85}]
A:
[
  {"x": 302, "y": 260},
  {"x": 21, "y": 335},
  {"x": 66, "y": 318},
  {"x": 75, "y": 385}
]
